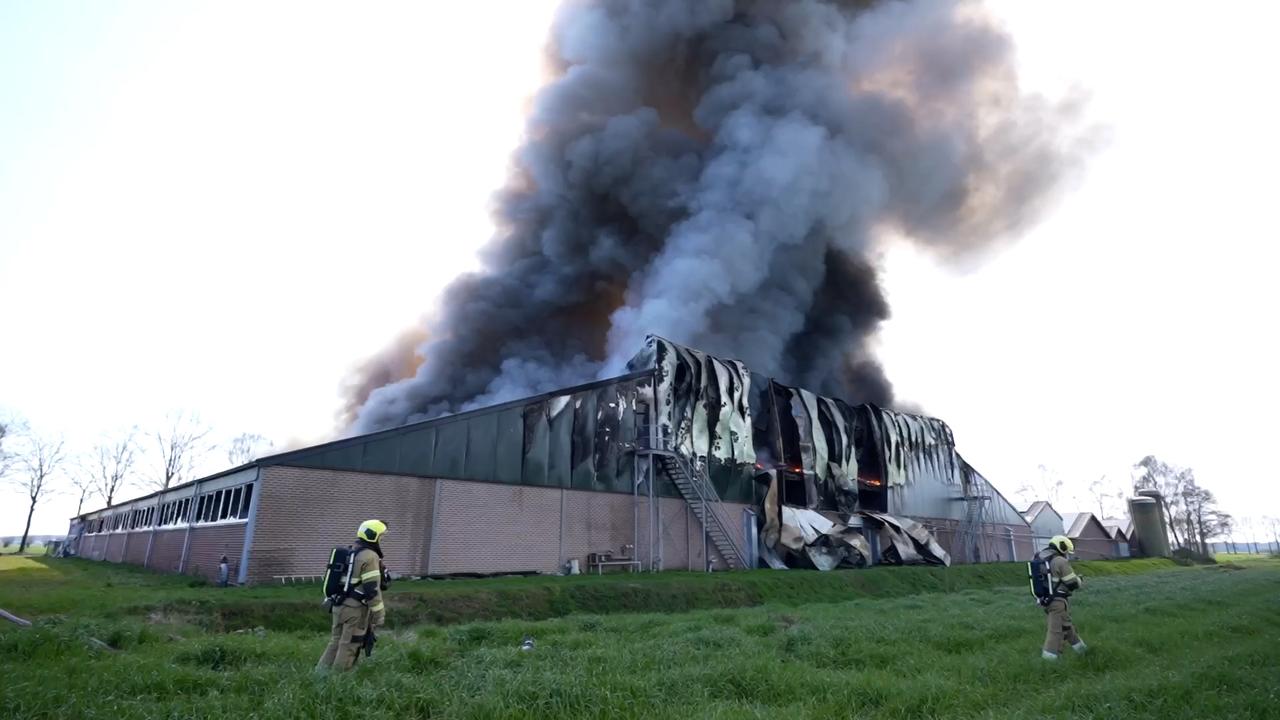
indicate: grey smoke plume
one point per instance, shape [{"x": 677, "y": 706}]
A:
[{"x": 719, "y": 173}]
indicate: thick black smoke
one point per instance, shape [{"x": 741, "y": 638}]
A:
[{"x": 718, "y": 173}]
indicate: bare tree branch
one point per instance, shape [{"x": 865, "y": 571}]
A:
[
  {"x": 36, "y": 459},
  {"x": 182, "y": 444},
  {"x": 111, "y": 462},
  {"x": 247, "y": 447},
  {"x": 5, "y": 455},
  {"x": 1047, "y": 485},
  {"x": 83, "y": 481}
]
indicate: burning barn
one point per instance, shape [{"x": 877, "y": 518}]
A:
[
  {"x": 687, "y": 461},
  {"x": 724, "y": 173}
]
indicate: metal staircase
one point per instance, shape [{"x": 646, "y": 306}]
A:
[
  {"x": 974, "y": 534},
  {"x": 697, "y": 490}
]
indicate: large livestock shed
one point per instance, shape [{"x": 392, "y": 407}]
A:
[{"x": 687, "y": 462}]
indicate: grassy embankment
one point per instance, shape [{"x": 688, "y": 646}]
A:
[
  {"x": 887, "y": 643},
  {"x": 125, "y": 591}
]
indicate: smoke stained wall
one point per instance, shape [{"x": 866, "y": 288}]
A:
[{"x": 720, "y": 173}]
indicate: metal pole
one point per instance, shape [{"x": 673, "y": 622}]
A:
[
  {"x": 191, "y": 520},
  {"x": 151, "y": 539},
  {"x": 652, "y": 522},
  {"x": 242, "y": 572},
  {"x": 635, "y": 508},
  {"x": 706, "y": 559}
]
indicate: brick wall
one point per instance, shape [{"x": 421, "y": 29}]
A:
[
  {"x": 490, "y": 528},
  {"x": 596, "y": 522},
  {"x": 1095, "y": 549},
  {"x": 166, "y": 550},
  {"x": 136, "y": 549},
  {"x": 303, "y": 513},
  {"x": 478, "y": 527},
  {"x": 209, "y": 543},
  {"x": 681, "y": 541},
  {"x": 115, "y": 547},
  {"x": 693, "y": 559},
  {"x": 100, "y": 543}
]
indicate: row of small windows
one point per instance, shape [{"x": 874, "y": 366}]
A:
[{"x": 215, "y": 506}]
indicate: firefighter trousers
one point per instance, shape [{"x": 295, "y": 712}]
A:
[
  {"x": 345, "y": 638},
  {"x": 1058, "y": 617}
]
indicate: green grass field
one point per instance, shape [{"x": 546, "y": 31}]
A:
[{"x": 1166, "y": 642}]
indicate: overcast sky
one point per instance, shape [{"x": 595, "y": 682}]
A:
[{"x": 224, "y": 207}]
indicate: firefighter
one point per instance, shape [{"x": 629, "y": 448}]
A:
[
  {"x": 361, "y": 610},
  {"x": 1063, "y": 582}
]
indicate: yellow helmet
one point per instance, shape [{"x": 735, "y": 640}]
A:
[
  {"x": 371, "y": 530},
  {"x": 1062, "y": 544}
]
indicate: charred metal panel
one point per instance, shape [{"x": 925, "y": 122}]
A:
[
  {"x": 537, "y": 443},
  {"x": 764, "y": 430},
  {"x": 607, "y": 436},
  {"x": 789, "y": 454},
  {"x": 629, "y": 421},
  {"x": 702, "y": 409},
  {"x": 583, "y": 437},
  {"x": 800, "y": 537},
  {"x": 510, "y": 446},
  {"x": 816, "y": 435},
  {"x": 914, "y": 448},
  {"x": 560, "y": 441},
  {"x": 906, "y": 541}
]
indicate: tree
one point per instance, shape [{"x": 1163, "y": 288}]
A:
[
  {"x": 247, "y": 447},
  {"x": 110, "y": 464},
  {"x": 1102, "y": 492},
  {"x": 182, "y": 445},
  {"x": 1206, "y": 520},
  {"x": 1273, "y": 523},
  {"x": 84, "y": 483},
  {"x": 1047, "y": 485},
  {"x": 37, "y": 459},
  {"x": 5, "y": 456}
]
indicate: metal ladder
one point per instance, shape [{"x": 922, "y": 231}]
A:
[
  {"x": 696, "y": 489},
  {"x": 972, "y": 533}
]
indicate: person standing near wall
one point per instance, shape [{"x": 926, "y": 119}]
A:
[{"x": 359, "y": 610}]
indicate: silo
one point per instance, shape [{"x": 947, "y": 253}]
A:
[
  {"x": 1164, "y": 518},
  {"x": 1148, "y": 527}
]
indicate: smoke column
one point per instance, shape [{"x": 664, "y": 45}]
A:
[{"x": 720, "y": 173}]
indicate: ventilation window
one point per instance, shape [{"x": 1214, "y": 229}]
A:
[{"x": 244, "y": 504}]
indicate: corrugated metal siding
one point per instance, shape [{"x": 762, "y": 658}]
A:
[
  {"x": 1045, "y": 526},
  {"x": 575, "y": 439},
  {"x": 1094, "y": 543}
]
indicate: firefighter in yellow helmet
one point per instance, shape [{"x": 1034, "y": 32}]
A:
[
  {"x": 1063, "y": 581},
  {"x": 360, "y": 610}
]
